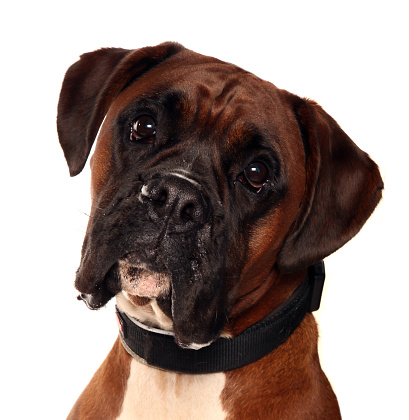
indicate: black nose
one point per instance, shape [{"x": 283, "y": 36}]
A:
[{"x": 178, "y": 201}]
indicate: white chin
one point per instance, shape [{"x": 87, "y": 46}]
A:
[{"x": 137, "y": 280}]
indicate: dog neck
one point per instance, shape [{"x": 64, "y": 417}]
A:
[
  {"x": 265, "y": 297},
  {"x": 156, "y": 347}
]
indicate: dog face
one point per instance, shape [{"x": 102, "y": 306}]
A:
[{"x": 204, "y": 179}]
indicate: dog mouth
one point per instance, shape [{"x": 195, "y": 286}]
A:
[
  {"x": 128, "y": 274},
  {"x": 138, "y": 280},
  {"x": 182, "y": 273}
]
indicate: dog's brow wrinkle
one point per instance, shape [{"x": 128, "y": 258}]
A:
[{"x": 228, "y": 89}]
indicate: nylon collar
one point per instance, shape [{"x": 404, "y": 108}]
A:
[{"x": 157, "y": 348}]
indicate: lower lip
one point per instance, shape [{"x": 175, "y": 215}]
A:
[
  {"x": 139, "y": 281},
  {"x": 147, "y": 285}
]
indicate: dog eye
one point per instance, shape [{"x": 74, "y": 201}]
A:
[
  {"x": 256, "y": 175},
  {"x": 143, "y": 128}
]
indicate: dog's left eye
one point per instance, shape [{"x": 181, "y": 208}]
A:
[
  {"x": 143, "y": 128},
  {"x": 255, "y": 176}
]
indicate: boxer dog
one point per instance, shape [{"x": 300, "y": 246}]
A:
[{"x": 213, "y": 191}]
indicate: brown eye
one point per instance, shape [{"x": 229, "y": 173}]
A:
[
  {"x": 144, "y": 128},
  {"x": 256, "y": 174}
]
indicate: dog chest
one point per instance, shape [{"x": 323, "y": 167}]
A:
[{"x": 155, "y": 394}]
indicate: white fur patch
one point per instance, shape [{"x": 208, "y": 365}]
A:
[
  {"x": 155, "y": 394},
  {"x": 138, "y": 280}
]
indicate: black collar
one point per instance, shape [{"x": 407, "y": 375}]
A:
[{"x": 157, "y": 348}]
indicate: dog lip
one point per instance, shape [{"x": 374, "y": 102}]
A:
[
  {"x": 97, "y": 295},
  {"x": 138, "y": 279},
  {"x": 90, "y": 301}
]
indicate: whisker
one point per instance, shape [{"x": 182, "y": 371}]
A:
[{"x": 83, "y": 212}]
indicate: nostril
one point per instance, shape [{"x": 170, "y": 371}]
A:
[
  {"x": 187, "y": 212},
  {"x": 162, "y": 197}
]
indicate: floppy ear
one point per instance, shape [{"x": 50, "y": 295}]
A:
[
  {"x": 343, "y": 188},
  {"x": 89, "y": 87}
]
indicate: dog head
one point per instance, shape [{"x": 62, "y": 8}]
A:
[{"x": 204, "y": 179}]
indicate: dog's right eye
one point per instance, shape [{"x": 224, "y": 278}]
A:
[{"x": 143, "y": 128}]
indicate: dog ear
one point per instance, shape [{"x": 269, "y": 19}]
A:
[
  {"x": 343, "y": 187},
  {"x": 89, "y": 87}
]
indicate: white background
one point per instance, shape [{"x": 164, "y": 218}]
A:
[{"x": 349, "y": 56}]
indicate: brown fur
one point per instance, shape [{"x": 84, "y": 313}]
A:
[{"x": 287, "y": 384}]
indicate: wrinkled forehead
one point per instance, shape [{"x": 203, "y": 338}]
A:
[
  {"x": 208, "y": 93},
  {"x": 225, "y": 98},
  {"x": 219, "y": 101}
]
